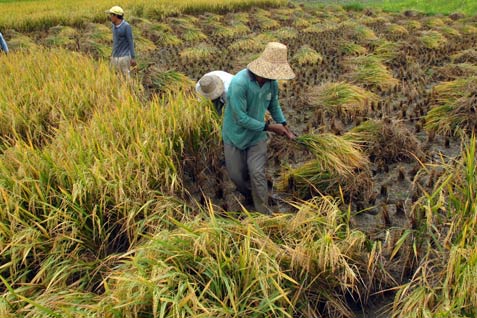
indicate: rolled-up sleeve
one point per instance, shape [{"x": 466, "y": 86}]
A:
[
  {"x": 238, "y": 106},
  {"x": 274, "y": 107}
]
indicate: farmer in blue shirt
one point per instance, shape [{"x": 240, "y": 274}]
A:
[
  {"x": 3, "y": 44},
  {"x": 123, "y": 45},
  {"x": 251, "y": 93}
]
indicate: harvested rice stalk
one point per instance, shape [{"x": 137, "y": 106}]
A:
[
  {"x": 363, "y": 33},
  {"x": 387, "y": 50},
  {"x": 199, "y": 52},
  {"x": 306, "y": 55},
  {"x": 193, "y": 35},
  {"x": 370, "y": 71},
  {"x": 467, "y": 29},
  {"x": 62, "y": 36},
  {"x": 435, "y": 22},
  {"x": 413, "y": 25},
  {"x": 396, "y": 29},
  {"x": 450, "y": 72},
  {"x": 285, "y": 34},
  {"x": 450, "y": 32},
  {"x": 351, "y": 48},
  {"x": 339, "y": 98},
  {"x": 449, "y": 92},
  {"x": 231, "y": 31},
  {"x": 301, "y": 23},
  {"x": 385, "y": 141},
  {"x": 432, "y": 39},
  {"x": 466, "y": 56}
]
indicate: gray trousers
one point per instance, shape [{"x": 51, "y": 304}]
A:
[{"x": 246, "y": 168}]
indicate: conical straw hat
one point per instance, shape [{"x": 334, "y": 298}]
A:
[
  {"x": 272, "y": 63},
  {"x": 211, "y": 86}
]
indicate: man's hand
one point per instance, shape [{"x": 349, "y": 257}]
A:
[
  {"x": 279, "y": 129},
  {"x": 133, "y": 63}
]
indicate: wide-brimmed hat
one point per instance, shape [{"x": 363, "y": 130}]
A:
[
  {"x": 117, "y": 10},
  {"x": 211, "y": 86},
  {"x": 272, "y": 63}
]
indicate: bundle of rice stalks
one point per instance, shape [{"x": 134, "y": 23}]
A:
[
  {"x": 307, "y": 56},
  {"x": 62, "y": 36},
  {"x": 242, "y": 17},
  {"x": 450, "y": 32},
  {"x": 283, "y": 14},
  {"x": 432, "y": 39},
  {"x": 466, "y": 56},
  {"x": 341, "y": 99},
  {"x": 166, "y": 81},
  {"x": 413, "y": 25},
  {"x": 385, "y": 141},
  {"x": 163, "y": 35},
  {"x": 351, "y": 48},
  {"x": 451, "y": 72},
  {"x": 387, "y": 50},
  {"x": 143, "y": 44},
  {"x": 454, "y": 108},
  {"x": 467, "y": 29},
  {"x": 18, "y": 41},
  {"x": 370, "y": 71},
  {"x": 301, "y": 23},
  {"x": 285, "y": 34},
  {"x": 266, "y": 23},
  {"x": 363, "y": 33},
  {"x": 193, "y": 35},
  {"x": 336, "y": 164},
  {"x": 231, "y": 31},
  {"x": 201, "y": 51},
  {"x": 434, "y": 22},
  {"x": 318, "y": 28},
  {"x": 396, "y": 29},
  {"x": 252, "y": 43}
]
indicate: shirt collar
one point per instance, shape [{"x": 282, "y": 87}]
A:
[{"x": 117, "y": 26}]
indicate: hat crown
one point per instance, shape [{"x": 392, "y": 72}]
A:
[
  {"x": 275, "y": 53},
  {"x": 116, "y": 10},
  {"x": 207, "y": 84}
]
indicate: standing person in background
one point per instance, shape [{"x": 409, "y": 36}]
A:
[
  {"x": 214, "y": 86},
  {"x": 252, "y": 92},
  {"x": 123, "y": 56},
  {"x": 3, "y": 44}
]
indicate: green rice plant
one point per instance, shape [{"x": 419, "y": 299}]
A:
[
  {"x": 62, "y": 36},
  {"x": 306, "y": 55},
  {"x": 370, "y": 71},
  {"x": 199, "y": 52},
  {"x": 396, "y": 29},
  {"x": 387, "y": 50},
  {"x": 341, "y": 99},
  {"x": 385, "y": 141},
  {"x": 432, "y": 39},
  {"x": 465, "y": 56},
  {"x": 351, "y": 48},
  {"x": 444, "y": 282}
]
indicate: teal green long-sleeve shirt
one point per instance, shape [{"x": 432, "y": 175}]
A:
[{"x": 244, "y": 117}]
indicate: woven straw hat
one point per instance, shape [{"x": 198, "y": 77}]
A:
[
  {"x": 211, "y": 86},
  {"x": 272, "y": 63}
]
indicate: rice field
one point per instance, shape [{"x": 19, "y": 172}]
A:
[{"x": 115, "y": 201}]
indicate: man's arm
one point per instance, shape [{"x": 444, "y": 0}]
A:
[{"x": 129, "y": 36}]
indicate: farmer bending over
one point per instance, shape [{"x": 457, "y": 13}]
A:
[
  {"x": 251, "y": 93},
  {"x": 214, "y": 86}
]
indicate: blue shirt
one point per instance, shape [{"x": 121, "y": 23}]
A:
[
  {"x": 244, "y": 117},
  {"x": 123, "y": 44},
  {"x": 3, "y": 44}
]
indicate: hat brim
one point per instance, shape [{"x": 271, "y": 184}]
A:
[
  {"x": 274, "y": 71},
  {"x": 216, "y": 93}
]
